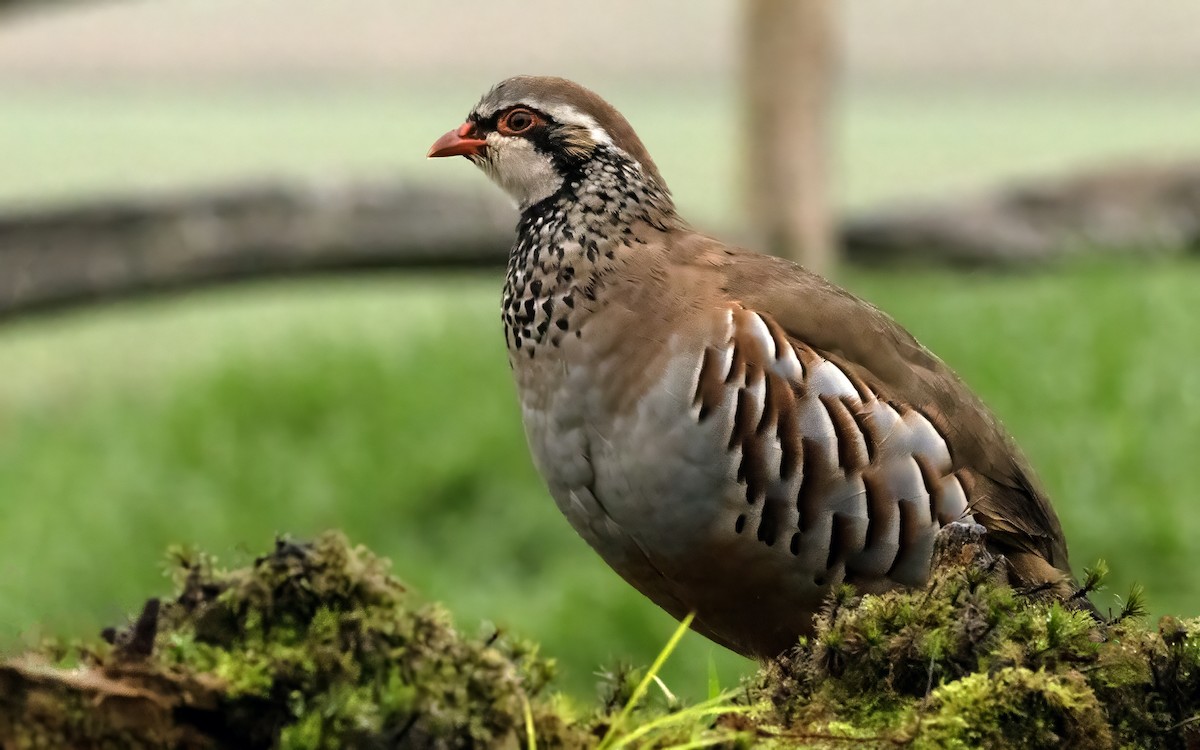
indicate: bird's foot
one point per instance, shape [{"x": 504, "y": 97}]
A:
[{"x": 961, "y": 543}]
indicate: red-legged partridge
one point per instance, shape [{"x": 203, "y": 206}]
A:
[{"x": 732, "y": 433}]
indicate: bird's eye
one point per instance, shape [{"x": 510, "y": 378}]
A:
[{"x": 517, "y": 121}]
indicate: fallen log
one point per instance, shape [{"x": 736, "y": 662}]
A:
[
  {"x": 118, "y": 247},
  {"x": 1134, "y": 209},
  {"x": 58, "y": 256}
]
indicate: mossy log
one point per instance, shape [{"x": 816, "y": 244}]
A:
[{"x": 318, "y": 646}]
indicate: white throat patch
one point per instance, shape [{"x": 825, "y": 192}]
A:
[{"x": 526, "y": 174}]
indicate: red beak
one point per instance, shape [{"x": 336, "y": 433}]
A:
[{"x": 458, "y": 143}]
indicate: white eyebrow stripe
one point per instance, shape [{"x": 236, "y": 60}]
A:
[{"x": 565, "y": 113}]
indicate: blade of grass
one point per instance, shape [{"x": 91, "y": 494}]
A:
[
  {"x": 530, "y": 730},
  {"x": 714, "y": 680},
  {"x": 717, "y": 707},
  {"x": 666, "y": 691},
  {"x": 651, "y": 673}
]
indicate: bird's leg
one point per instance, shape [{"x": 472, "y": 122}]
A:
[{"x": 960, "y": 543}]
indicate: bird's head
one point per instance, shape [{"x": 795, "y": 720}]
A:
[{"x": 531, "y": 134}]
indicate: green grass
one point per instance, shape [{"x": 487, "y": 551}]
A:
[{"x": 383, "y": 406}]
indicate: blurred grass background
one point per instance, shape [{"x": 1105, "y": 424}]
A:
[{"x": 383, "y": 405}]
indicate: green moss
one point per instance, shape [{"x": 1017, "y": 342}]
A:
[
  {"x": 1014, "y": 707},
  {"x": 969, "y": 662},
  {"x": 323, "y": 637}
]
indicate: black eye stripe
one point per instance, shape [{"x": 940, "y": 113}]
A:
[{"x": 492, "y": 121}]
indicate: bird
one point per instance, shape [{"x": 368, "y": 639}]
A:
[{"x": 735, "y": 435}]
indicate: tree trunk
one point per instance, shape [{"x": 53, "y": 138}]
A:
[{"x": 790, "y": 60}]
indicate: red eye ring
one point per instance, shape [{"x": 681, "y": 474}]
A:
[{"x": 517, "y": 121}]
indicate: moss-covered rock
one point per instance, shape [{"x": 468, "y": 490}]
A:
[
  {"x": 969, "y": 662},
  {"x": 313, "y": 646}
]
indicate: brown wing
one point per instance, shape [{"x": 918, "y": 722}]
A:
[{"x": 1003, "y": 492}]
